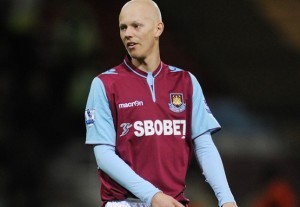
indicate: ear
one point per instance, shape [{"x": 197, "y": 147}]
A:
[{"x": 159, "y": 29}]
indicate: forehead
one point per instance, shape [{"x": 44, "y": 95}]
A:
[{"x": 136, "y": 13}]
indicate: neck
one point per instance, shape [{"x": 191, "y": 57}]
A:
[{"x": 148, "y": 64}]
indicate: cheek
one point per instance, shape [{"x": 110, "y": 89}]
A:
[
  {"x": 122, "y": 37},
  {"x": 147, "y": 37},
  {"x": 150, "y": 39}
]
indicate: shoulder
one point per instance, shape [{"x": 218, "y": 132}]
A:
[
  {"x": 179, "y": 71},
  {"x": 188, "y": 76},
  {"x": 174, "y": 69},
  {"x": 112, "y": 74},
  {"x": 116, "y": 70}
]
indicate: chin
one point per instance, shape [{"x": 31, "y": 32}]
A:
[
  {"x": 134, "y": 53},
  {"x": 136, "y": 56}
]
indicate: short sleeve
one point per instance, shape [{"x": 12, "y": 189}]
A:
[
  {"x": 202, "y": 118},
  {"x": 98, "y": 118}
]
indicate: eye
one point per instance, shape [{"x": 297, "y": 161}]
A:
[
  {"x": 137, "y": 26},
  {"x": 123, "y": 27}
]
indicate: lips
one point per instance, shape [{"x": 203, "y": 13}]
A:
[{"x": 130, "y": 45}]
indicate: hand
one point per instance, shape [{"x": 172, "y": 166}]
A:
[
  {"x": 162, "y": 200},
  {"x": 231, "y": 204}
]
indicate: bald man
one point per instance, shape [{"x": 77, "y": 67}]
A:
[
  {"x": 145, "y": 118},
  {"x": 140, "y": 28}
]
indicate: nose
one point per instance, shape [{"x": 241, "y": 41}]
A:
[{"x": 128, "y": 32}]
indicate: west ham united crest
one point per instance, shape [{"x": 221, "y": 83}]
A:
[{"x": 177, "y": 102}]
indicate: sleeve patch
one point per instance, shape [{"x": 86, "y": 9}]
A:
[
  {"x": 89, "y": 117},
  {"x": 207, "y": 107}
]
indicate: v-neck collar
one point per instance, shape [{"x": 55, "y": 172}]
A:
[{"x": 139, "y": 72}]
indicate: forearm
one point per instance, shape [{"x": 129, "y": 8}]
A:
[
  {"x": 118, "y": 170},
  {"x": 213, "y": 170}
]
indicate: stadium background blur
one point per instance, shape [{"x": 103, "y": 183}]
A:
[{"x": 246, "y": 54}]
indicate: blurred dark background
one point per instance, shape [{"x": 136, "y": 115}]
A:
[{"x": 245, "y": 53}]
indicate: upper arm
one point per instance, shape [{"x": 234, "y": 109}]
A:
[
  {"x": 98, "y": 117},
  {"x": 202, "y": 118}
]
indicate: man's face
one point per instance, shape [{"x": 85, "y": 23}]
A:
[{"x": 138, "y": 31}]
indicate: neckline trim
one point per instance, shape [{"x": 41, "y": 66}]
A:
[{"x": 138, "y": 71}]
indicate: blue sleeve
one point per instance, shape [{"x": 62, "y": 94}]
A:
[
  {"x": 117, "y": 169},
  {"x": 202, "y": 118},
  {"x": 212, "y": 166},
  {"x": 98, "y": 118}
]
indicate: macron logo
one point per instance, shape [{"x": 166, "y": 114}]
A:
[{"x": 131, "y": 104}]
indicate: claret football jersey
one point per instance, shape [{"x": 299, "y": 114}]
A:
[{"x": 151, "y": 119}]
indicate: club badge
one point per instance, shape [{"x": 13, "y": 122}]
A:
[{"x": 176, "y": 102}]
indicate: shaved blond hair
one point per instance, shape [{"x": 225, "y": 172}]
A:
[{"x": 151, "y": 4}]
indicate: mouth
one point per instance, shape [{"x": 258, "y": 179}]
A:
[{"x": 131, "y": 45}]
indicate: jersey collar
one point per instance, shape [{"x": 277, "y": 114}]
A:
[{"x": 139, "y": 72}]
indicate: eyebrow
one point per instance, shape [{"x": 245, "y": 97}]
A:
[
  {"x": 122, "y": 25},
  {"x": 131, "y": 23}
]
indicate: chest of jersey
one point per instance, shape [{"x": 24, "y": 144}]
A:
[
  {"x": 152, "y": 118},
  {"x": 149, "y": 106}
]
